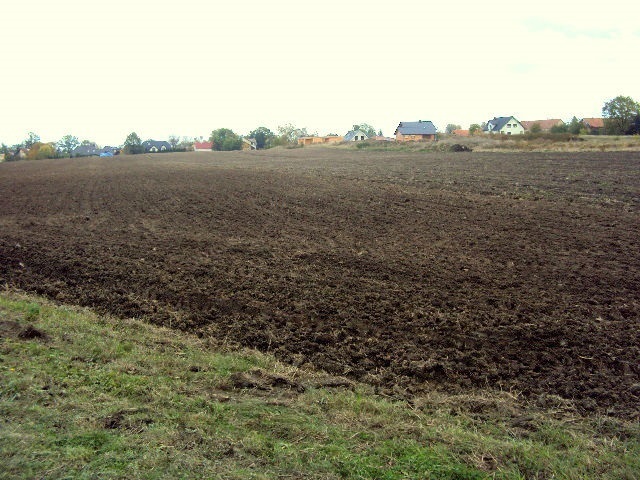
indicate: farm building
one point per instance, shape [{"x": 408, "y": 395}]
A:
[
  {"x": 504, "y": 126},
  {"x": 595, "y": 126},
  {"x": 320, "y": 140},
  {"x": 545, "y": 125},
  {"x": 202, "y": 146},
  {"x": 422, "y": 130},
  {"x": 154, "y": 146}
]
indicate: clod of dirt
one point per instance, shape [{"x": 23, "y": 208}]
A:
[
  {"x": 30, "y": 332},
  {"x": 456, "y": 147}
]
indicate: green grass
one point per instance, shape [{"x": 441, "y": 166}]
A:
[{"x": 98, "y": 397}]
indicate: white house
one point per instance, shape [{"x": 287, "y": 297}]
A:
[
  {"x": 355, "y": 135},
  {"x": 504, "y": 126}
]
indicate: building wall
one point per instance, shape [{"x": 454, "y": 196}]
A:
[
  {"x": 513, "y": 127},
  {"x": 415, "y": 138}
]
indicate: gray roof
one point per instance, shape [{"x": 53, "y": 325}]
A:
[
  {"x": 498, "y": 123},
  {"x": 149, "y": 144},
  {"x": 352, "y": 133},
  {"x": 421, "y": 127}
]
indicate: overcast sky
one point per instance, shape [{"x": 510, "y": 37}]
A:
[{"x": 101, "y": 71}]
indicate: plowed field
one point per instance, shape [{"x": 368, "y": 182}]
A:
[{"x": 409, "y": 271}]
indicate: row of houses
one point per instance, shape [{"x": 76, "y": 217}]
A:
[
  {"x": 420, "y": 131},
  {"x": 512, "y": 126}
]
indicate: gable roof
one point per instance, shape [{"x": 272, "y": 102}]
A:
[
  {"x": 158, "y": 144},
  {"x": 203, "y": 145},
  {"x": 594, "y": 122},
  {"x": 544, "y": 124},
  {"x": 421, "y": 127},
  {"x": 499, "y": 122},
  {"x": 352, "y": 133}
]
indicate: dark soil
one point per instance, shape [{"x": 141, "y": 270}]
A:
[{"x": 409, "y": 271}]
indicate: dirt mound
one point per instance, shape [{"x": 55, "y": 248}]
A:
[{"x": 410, "y": 271}]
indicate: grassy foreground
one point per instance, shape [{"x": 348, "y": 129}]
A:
[{"x": 88, "y": 396}]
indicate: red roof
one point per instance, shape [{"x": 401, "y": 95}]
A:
[
  {"x": 594, "y": 122},
  {"x": 461, "y": 133},
  {"x": 203, "y": 145}
]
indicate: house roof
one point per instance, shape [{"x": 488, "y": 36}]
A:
[
  {"x": 594, "y": 122},
  {"x": 461, "y": 133},
  {"x": 544, "y": 124},
  {"x": 148, "y": 144},
  {"x": 421, "y": 127},
  {"x": 85, "y": 151},
  {"x": 203, "y": 145},
  {"x": 499, "y": 122},
  {"x": 352, "y": 133}
]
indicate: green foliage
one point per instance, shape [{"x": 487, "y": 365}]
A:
[
  {"x": 562, "y": 128},
  {"x": 575, "y": 126},
  {"x": 263, "y": 136},
  {"x": 225, "y": 139},
  {"x": 67, "y": 143},
  {"x": 451, "y": 127},
  {"x": 366, "y": 128},
  {"x": 619, "y": 114},
  {"x": 535, "y": 128},
  {"x": 32, "y": 139},
  {"x": 475, "y": 128},
  {"x": 288, "y": 134},
  {"x": 133, "y": 144}
]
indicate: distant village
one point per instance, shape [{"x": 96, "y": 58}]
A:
[{"x": 406, "y": 131}]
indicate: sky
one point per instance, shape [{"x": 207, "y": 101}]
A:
[{"x": 101, "y": 70}]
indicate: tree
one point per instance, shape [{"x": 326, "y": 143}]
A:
[
  {"x": 561, "y": 128},
  {"x": 263, "y": 137},
  {"x": 174, "y": 141},
  {"x": 67, "y": 143},
  {"x": 225, "y": 139},
  {"x": 366, "y": 128},
  {"x": 288, "y": 135},
  {"x": 535, "y": 128},
  {"x": 133, "y": 144},
  {"x": 32, "y": 138},
  {"x": 619, "y": 114},
  {"x": 40, "y": 151},
  {"x": 451, "y": 127},
  {"x": 575, "y": 126},
  {"x": 475, "y": 128}
]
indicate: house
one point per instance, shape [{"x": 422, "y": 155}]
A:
[
  {"x": 460, "y": 133},
  {"x": 545, "y": 125},
  {"x": 382, "y": 138},
  {"x": 154, "y": 146},
  {"x": 249, "y": 144},
  {"x": 312, "y": 140},
  {"x": 202, "y": 146},
  {"x": 89, "y": 150},
  {"x": 356, "y": 135},
  {"x": 422, "y": 130},
  {"x": 504, "y": 126},
  {"x": 595, "y": 126}
]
